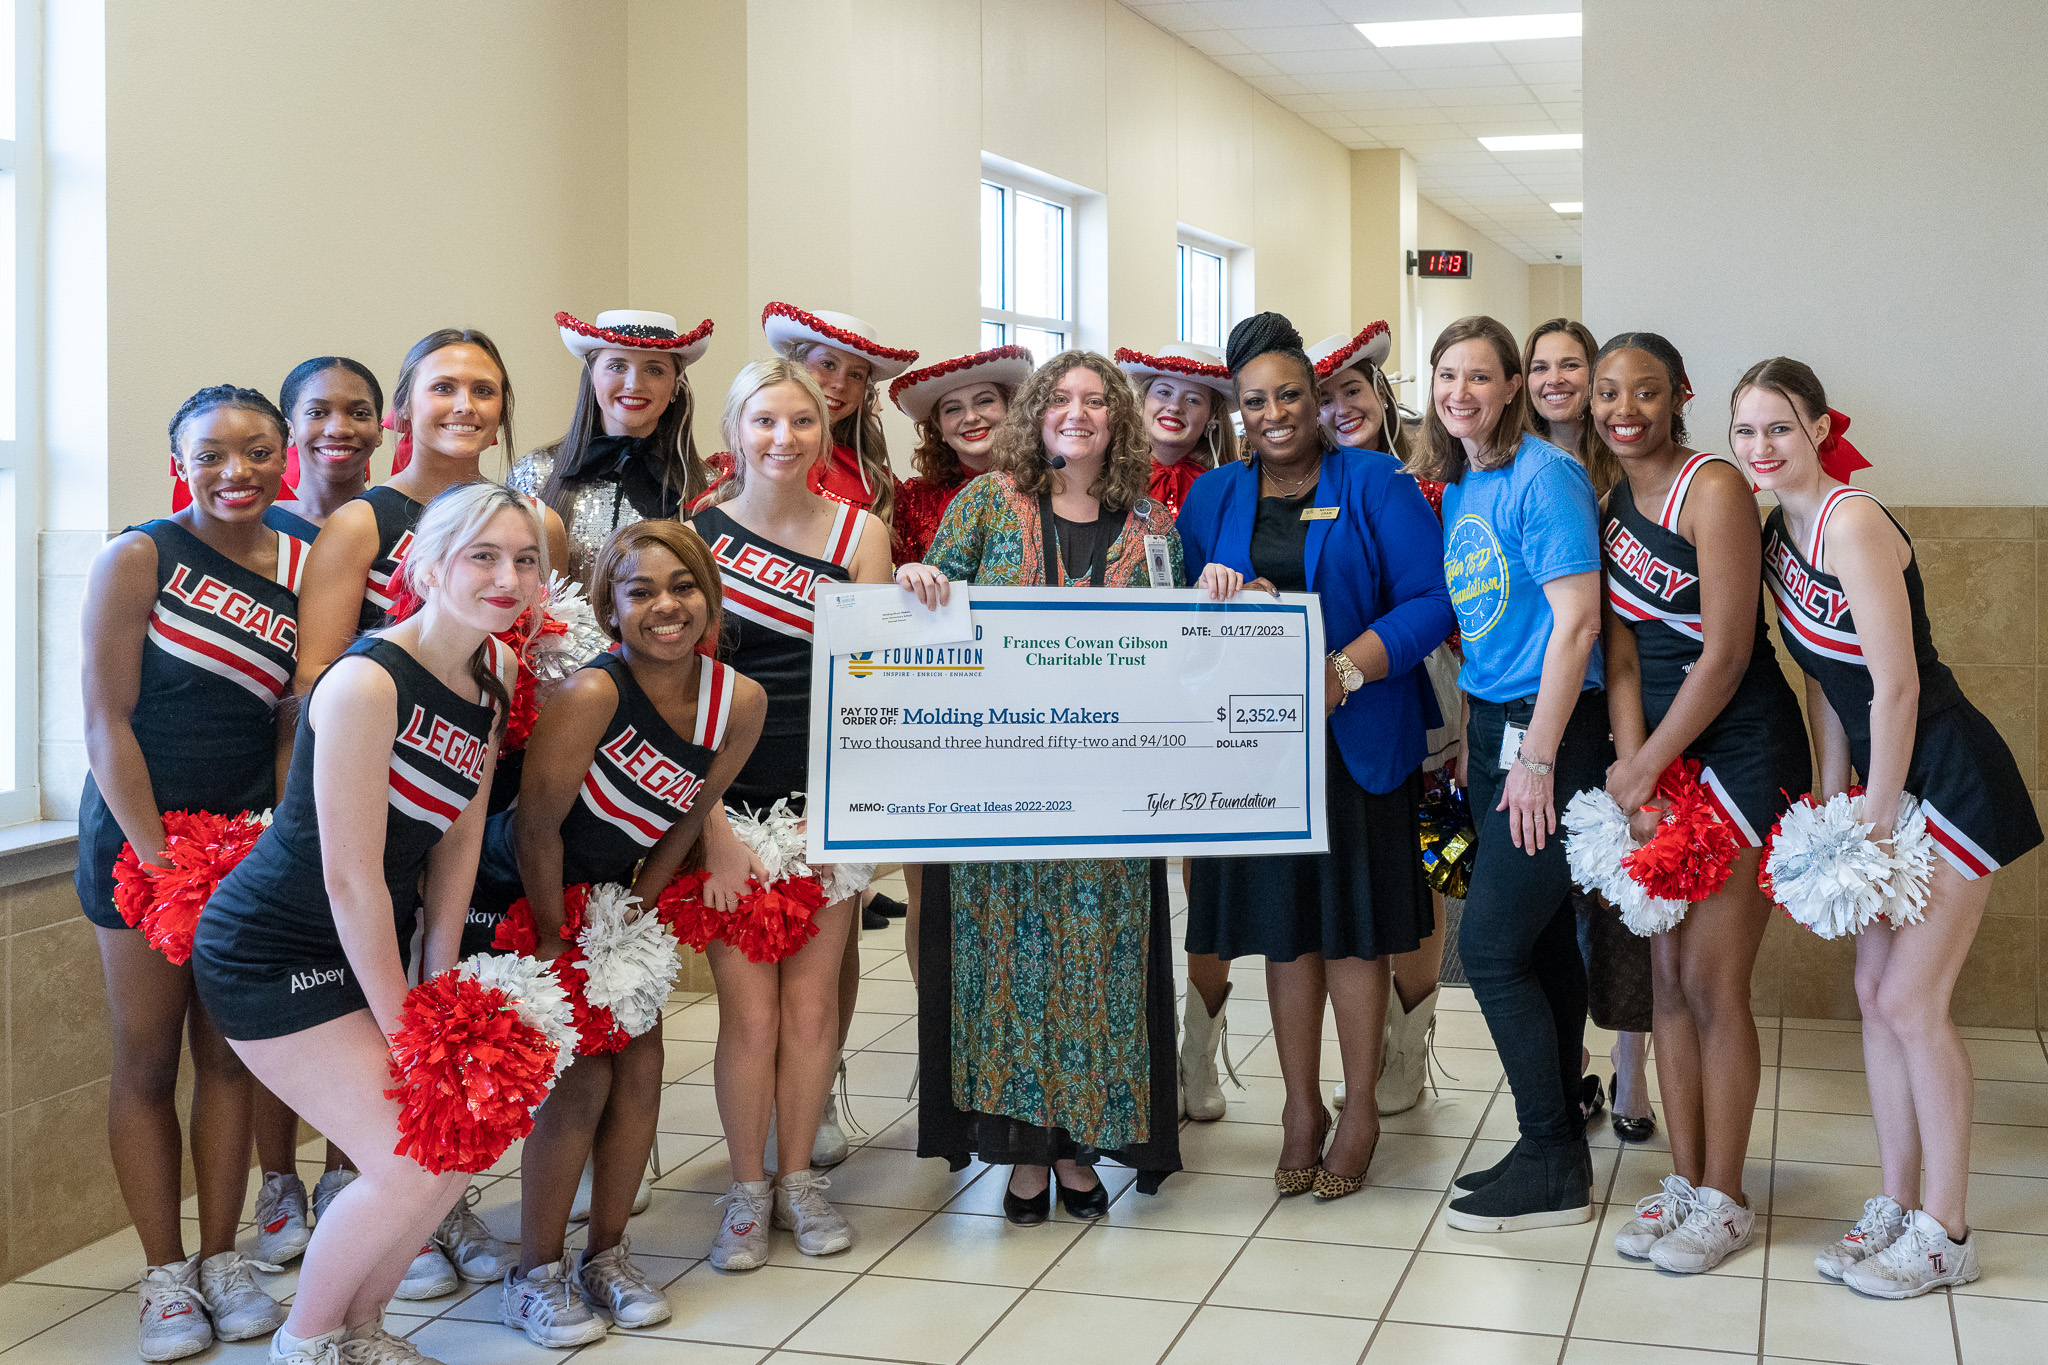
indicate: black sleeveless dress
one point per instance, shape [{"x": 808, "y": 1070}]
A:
[
  {"x": 267, "y": 957},
  {"x": 643, "y": 778},
  {"x": 1977, "y": 806},
  {"x": 1754, "y": 756},
  {"x": 768, "y": 591},
  {"x": 218, "y": 657}
]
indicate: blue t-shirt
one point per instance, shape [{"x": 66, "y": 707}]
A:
[{"x": 1507, "y": 532}]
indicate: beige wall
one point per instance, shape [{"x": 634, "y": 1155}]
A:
[
  {"x": 1555, "y": 292},
  {"x": 1866, "y": 196},
  {"x": 1499, "y": 286}
]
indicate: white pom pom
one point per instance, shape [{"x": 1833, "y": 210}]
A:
[
  {"x": 1596, "y": 839},
  {"x": 535, "y": 994},
  {"x": 629, "y": 958},
  {"x": 557, "y": 656},
  {"x": 777, "y": 839},
  {"x": 1825, "y": 870},
  {"x": 1912, "y": 865},
  {"x": 848, "y": 879}
]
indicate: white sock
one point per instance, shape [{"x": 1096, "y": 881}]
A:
[{"x": 285, "y": 1343}]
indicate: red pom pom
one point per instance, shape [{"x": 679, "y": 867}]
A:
[
  {"x": 597, "y": 1032},
  {"x": 470, "y": 1073},
  {"x": 771, "y": 923},
  {"x": 1691, "y": 854},
  {"x": 164, "y": 900}
]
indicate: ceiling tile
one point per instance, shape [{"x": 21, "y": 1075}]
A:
[
  {"x": 1311, "y": 38},
  {"x": 1277, "y": 85},
  {"x": 1340, "y": 82},
  {"x": 1450, "y": 54},
  {"x": 1408, "y": 102},
  {"x": 1463, "y": 77},
  {"x": 1248, "y": 65},
  {"x": 1317, "y": 63},
  {"x": 1248, "y": 14},
  {"x": 1539, "y": 50},
  {"x": 1214, "y": 41},
  {"x": 1545, "y": 73}
]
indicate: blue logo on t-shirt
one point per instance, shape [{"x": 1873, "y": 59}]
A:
[{"x": 1477, "y": 575}]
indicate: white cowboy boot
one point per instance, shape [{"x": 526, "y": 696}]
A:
[
  {"x": 1404, "y": 1068},
  {"x": 1201, "y": 1092}
]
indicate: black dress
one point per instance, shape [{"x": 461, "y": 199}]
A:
[{"x": 1367, "y": 897}]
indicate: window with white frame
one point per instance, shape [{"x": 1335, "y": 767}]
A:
[
  {"x": 1203, "y": 271},
  {"x": 19, "y": 43},
  {"x": 1027, "y": 266}
]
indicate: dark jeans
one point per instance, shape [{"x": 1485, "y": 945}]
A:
[{"x": 1519, "y": 934}]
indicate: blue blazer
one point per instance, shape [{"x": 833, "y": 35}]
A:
[{"x": 1377, "y": 565}]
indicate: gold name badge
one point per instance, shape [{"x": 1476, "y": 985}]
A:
[{"x": 1318, "y": 514}]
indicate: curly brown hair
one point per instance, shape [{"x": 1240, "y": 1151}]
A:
[
  {"x": 1020, "y": 445},
  {"x": 934, "y": 460}
]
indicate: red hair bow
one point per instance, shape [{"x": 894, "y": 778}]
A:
[
  {"x": 1839, "y": 459},
  {"x": 401, "y": 454}
]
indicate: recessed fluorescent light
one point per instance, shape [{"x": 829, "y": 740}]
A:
[
  {"x": 1535, "y": 142},
  {"x": 1568, "y": 208},
  {"x": 1506, "y": 28}
]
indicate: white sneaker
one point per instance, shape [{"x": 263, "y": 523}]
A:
[
  {"x": 545, "y": 1305},
  {"x": 281, "y": 1228},
  {"x": 238, "y": 1307},
  {"x": 800, "y": 1204},
  {"x": 742, "y": 1241},
  {"x": 1656, "y": 1215},
  {"x": 612, "y": 1284},
  {"x": 1716, "y": 1229},
  {"x": 429, "y": 1276},
  {"x": 174, "y": 1321},
  {"x": 379, "y": 1347},
  {"x": 1337, "y": 1100},
  {"x": 828, "y": 1149},
  {"x": 1879, "y": 1226},
  {"x": 1920, "y": 1258},
  {"x": 470, "y": 1247},
  {"x": 327, "y": 1186},
  {"x": 320, "y": 1350}
]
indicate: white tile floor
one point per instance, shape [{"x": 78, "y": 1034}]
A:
[{"x": 1216, "y": 1268}]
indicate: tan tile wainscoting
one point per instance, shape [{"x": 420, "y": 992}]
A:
[{"x": 1985, "y": 569}]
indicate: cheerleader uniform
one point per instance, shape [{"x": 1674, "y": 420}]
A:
[
  {"x": 281, "y": 518},
  {"x": 1753, "y": 756},
  {"x": 267, "y": 957},
  {"x": 1977, "y": 807},
  {"x": 217, "y": 659},
  {"x": 397, "y": 517},
  {"x": 768, "y": 590},
  {"x": 643, "y": 778}
]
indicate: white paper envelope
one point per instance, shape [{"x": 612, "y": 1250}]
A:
[{"x": 864, "y": 616}]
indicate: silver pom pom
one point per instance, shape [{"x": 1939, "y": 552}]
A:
[
  {"x": 1596, "y": 840},
  {"x": 1825, "y": 870},
  {"x": 629, "y": 958}
]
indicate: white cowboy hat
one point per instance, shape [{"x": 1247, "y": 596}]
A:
[
  {"x": 917, "y": 392},
  {"x": 785, "y": 322},
  {"x": 1180, "y": 361},
  {"x": 1334, "y": 353},
  {"x": 631, "y": 329}
]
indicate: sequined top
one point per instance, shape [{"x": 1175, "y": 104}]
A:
[
  {"x": 597, "y": 507},
  {"x": 920, "y": 505}
]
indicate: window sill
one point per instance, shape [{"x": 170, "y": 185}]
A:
[{"x": 42, "y": 848}]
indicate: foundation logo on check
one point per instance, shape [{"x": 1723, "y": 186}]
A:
[{"x": 926, "y": 661}]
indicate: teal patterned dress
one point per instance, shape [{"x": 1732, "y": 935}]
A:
[{"x": 1054, "y": 1034}]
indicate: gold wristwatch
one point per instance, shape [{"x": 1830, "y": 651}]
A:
[{"x": 1348, "y": 676}]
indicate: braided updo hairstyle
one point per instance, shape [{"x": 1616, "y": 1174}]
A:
[
  {"x": 1265, "y": 334},
  {"x": 225, "y": 396}
]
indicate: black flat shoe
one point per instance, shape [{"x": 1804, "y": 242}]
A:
[
  {"x": 1633, "y": 1130},
  {"x": 1027, "y": 1213},
  {"x": 888, "y": 907},
  {"x": 872, "y": 918},
  {"x": 1086, "y": 1205}
]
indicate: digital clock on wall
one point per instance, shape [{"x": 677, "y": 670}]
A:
[{"x": 1443, "y": 264}]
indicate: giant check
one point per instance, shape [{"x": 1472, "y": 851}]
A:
[{"x": 1077, "y": 723}]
